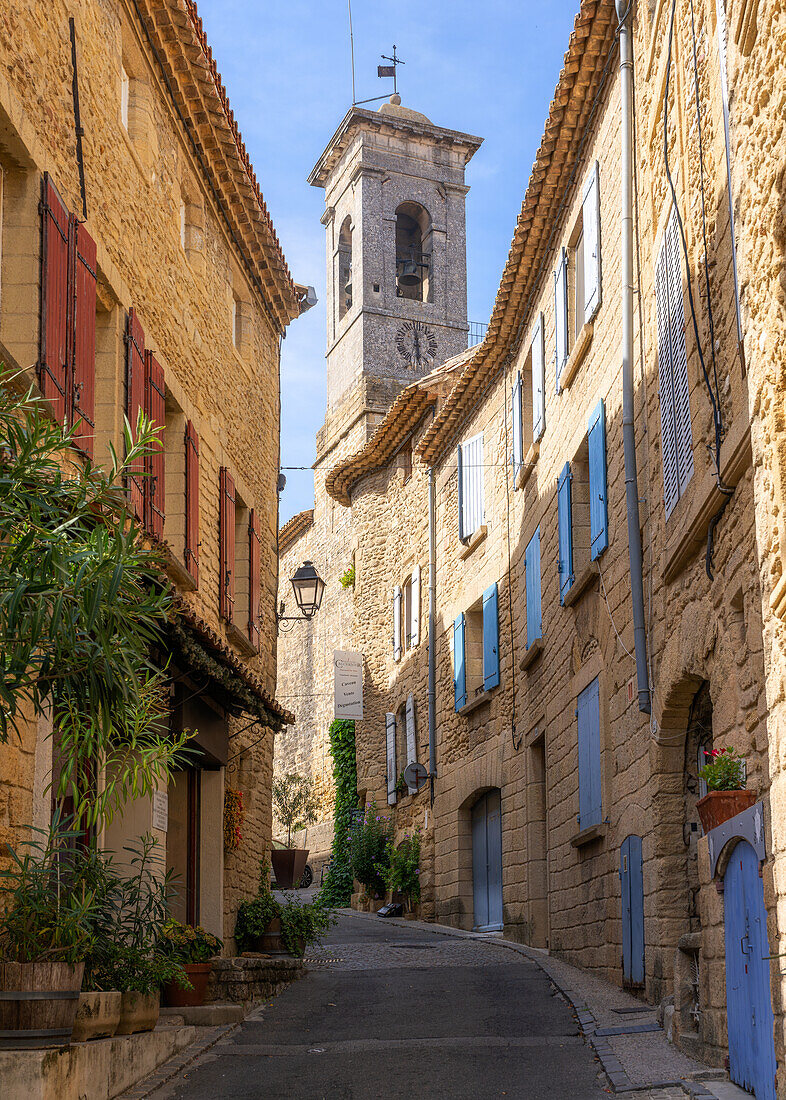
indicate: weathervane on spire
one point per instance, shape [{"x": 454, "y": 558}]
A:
[{"x": 390, "y": 70}]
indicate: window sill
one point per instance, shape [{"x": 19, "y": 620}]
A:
[
  {"x": 474, "y": 540},
  {"x": 588, "y": 835},
  {"x": 528, "y": 465},
  {"x": 580, "y": 585},
  {"x": 689, "y": 523},
  {"x": 480, "y": 699},
  {"x": 576, "y": 357},
  {"x": 241, "y": 640},
  {"x": 176, "y": 571},
  {"x": 532, "y": 654}
]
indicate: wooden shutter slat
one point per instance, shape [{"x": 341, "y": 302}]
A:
[
  {"x": 671, "y": 489},
  {"x": 254, "y": 603},
  {"x": 390, "y": 754},
  {"x": 412, "y": 741},
  {"x": 491, "y": 637},
  {"x": 590, "y": 799},
  {"x": 226, "y": 539},
  {"x": 590, "y": 217},
  {"x": 191, "y": 550},
  {"x": 532, "y": 576},
  {"x": 460, "y": 475},
  {"x": 538, "y": 380},
  {"x": 679, "y": 356},
  {"x": 53, "y": 357},
  {"x": 596, "y": 444},
  {"x": 84, "y": 340},
  {"x": 135, "y": 402},
  {"x": 415, "y": 614},
  {"x": 459, "y": 663},
  {"x": 561, "y": 314},
  {"x": 154, "y": 483},
  {"x": 564, "y": 520}
]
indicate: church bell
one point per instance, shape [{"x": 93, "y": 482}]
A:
[{"x": 409, "y": 274}]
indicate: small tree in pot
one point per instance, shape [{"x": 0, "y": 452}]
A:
[{"x": 296, "y": 806}]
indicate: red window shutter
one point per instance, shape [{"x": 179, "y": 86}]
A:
[
  {"x": 226, "y": 543},
  {"x": 135, "y": 399},
  {"x": 53, "y": 358},
  {"x": 192, "y": 502},
  {"x": 84, "y": 338},
  {"x": 155, "y": 407},
  {"x": 254, "y": 607}
]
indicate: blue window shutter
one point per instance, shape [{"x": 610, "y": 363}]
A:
[
  {"x": 460, "y": 492},
  {"x": 532, "y": 569},
  {"x": 588, "y": 711},
  {"x": 459, "y": 663},
  {"x": 490, "y": 638},
  {"x": 599, "y": 512},
  {"x": 564, "y": 520}
]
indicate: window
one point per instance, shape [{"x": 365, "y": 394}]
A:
[
  {"x": 406, "y": 615},
  {"x": 191, "y": 549},
  {"x": 176, "y": 491},
  {"x": 67, "y": 360},
  {"x": 529, "y": 420},
  {"x": 125, "y": 85},
  {"x": 582, "y": 507},
  {"x": 390, "y": 757},
  {"x": 226, "y": 545},
  {"x": 675, "y": 425},
  {"x": 476, "y": 649},
  {"x": 345, "y": 267},
  {"x": 413, "y": 252},
  {"x": 532, "y": 575},
  {"x": 577, "y": 280},
  {"x": 470, "y": 486},
  {"x": 146, "y": 393},
  {"x": 246, "y": 606},
  {"x": 588, "y": 714}
]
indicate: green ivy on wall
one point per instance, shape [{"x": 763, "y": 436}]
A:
[{"x": 337, "y": 889}]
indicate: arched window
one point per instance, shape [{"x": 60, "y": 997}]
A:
[
  {"x": 345, "y": 267},
  {"x": 413, "y": 252}
]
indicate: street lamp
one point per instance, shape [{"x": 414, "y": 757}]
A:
[{"x": 308, "y": 587}]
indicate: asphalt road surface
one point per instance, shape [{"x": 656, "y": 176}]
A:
[{"x": 389, "y": 1012}]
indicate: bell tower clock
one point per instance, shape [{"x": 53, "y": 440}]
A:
[{"x": 396, "y": 259}]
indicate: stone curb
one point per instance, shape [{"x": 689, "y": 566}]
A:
[
  {"x": 169, "y": 1069},
  {"x": 612, "y": 1067}
]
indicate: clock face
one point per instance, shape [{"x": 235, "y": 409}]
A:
[{"x": 417, "y": 344}]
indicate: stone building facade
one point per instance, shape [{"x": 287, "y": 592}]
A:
[
  {"x": 396, "y": 307},
  {"x": 562, "y": 804},
  {"x": 188, "y": 293}
]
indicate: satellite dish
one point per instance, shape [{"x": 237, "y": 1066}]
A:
[{"x": 415, "y": 775}]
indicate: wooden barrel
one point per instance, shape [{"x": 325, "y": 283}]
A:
[{"x": 38, "y": 1003}]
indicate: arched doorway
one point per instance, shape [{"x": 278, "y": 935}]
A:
[
  {"x": 748, "y": 999},
  {"x": 487, "y": 862}
]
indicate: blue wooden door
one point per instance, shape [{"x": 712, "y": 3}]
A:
[
  {"x": 748, "y": 1000},
  {"x": 487, "y": 862},
  {"x": 632, "y": 881}
]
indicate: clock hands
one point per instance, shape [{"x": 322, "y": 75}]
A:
[{"x": 417, "y": 345}]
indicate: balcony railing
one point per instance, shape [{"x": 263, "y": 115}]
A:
[{"x": 477, "y": 332}]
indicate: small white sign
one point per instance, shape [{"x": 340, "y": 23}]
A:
[
  {"x": 160, "y": 810},
  {"x": 347, "y": 684}
]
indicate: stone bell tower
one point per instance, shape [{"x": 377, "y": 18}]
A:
[{"x": 396, "y": 260}]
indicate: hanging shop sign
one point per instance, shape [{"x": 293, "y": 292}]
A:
[{"x": 347, "y": 684}]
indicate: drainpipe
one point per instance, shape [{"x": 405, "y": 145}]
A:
[
  {"x": 628, "y": 426},
  {"x": 432, "y": 640}
]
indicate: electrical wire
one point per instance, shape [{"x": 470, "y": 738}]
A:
[{"x": 611, "y": 617}]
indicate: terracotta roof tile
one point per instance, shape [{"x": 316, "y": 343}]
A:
[{"x": 293, "y": 529}]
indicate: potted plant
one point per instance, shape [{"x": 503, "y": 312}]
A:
[
  {"x": 402, "y": 875},
  {"x": 295, "y": 806},
  {"x": 370, "y": 852},
  {"x": 98, "y": 1011},
  {"x": 193, "y": 948},
  {"x": 45, "y": 933},
  {"x": 726, "y": 795},
  {"x": 266, "y": 926}
]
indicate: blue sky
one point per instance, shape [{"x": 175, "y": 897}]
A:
[{"x": 487, "y": 68}]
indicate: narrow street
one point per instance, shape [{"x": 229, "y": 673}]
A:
[{"x": 385, "y": 1011}]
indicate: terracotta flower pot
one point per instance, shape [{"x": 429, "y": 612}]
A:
[
  {"x": 39, "y": 1003},
  {"x": 288, "y": 866},
  {"x": 198, "y": 974},
  {"x": 718, "y": 806},
  {"x": 97, "y": 1016},
  {"x": 138, "y": 1012}
]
